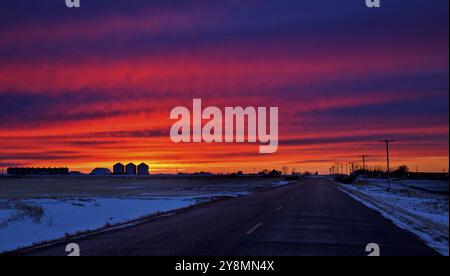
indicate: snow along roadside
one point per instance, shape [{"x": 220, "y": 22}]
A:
[
  {"x": 433, "y": 234},
  {"x": 12, "y": 243}
]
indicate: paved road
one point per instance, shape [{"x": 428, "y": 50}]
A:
[{"x": 308, "y": 218}]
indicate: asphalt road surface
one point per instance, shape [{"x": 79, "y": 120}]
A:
[{"x": 311, "y": 218}]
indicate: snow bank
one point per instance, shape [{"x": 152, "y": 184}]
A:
[
  {"x": 280, "y": 183},
  {"x": 425, "y": 215},
  {"x": 69, "y": 216}
]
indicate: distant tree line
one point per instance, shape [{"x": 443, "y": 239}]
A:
[{"x": 402, "y": 172}]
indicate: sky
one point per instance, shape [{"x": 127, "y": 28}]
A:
[{"x": 93, "y": 86}]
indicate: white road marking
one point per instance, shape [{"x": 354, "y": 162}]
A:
[{"x": 254, "y": 228}]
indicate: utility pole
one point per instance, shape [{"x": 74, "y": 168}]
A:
[
  {"x": 364, "y": 161},
  {"x": 387, "y": 142}
]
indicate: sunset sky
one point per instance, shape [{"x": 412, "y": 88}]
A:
[{"x": 92, "y": 86}]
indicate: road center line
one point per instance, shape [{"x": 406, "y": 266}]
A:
[{"x": 254, "y": 228}]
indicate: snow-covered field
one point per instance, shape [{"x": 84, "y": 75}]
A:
[
  {"x": 36, "y": 210},
  {"x": 423, "y": 211},
  {"x": 31, "y": 221}
]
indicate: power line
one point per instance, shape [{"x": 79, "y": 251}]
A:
[
  {"x": 387, "y": 142},
  {"x": 364, "y": 161}
]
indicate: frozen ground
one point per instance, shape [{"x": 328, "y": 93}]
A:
[
  {"x": 113, "y": 187},
  {"x": 31, "y": 221},
  {"x": 38, "y": 209},
  {"x": 420, "y": 207}
]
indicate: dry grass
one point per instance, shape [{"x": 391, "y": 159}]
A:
[{"x": 21, "y": 210}]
